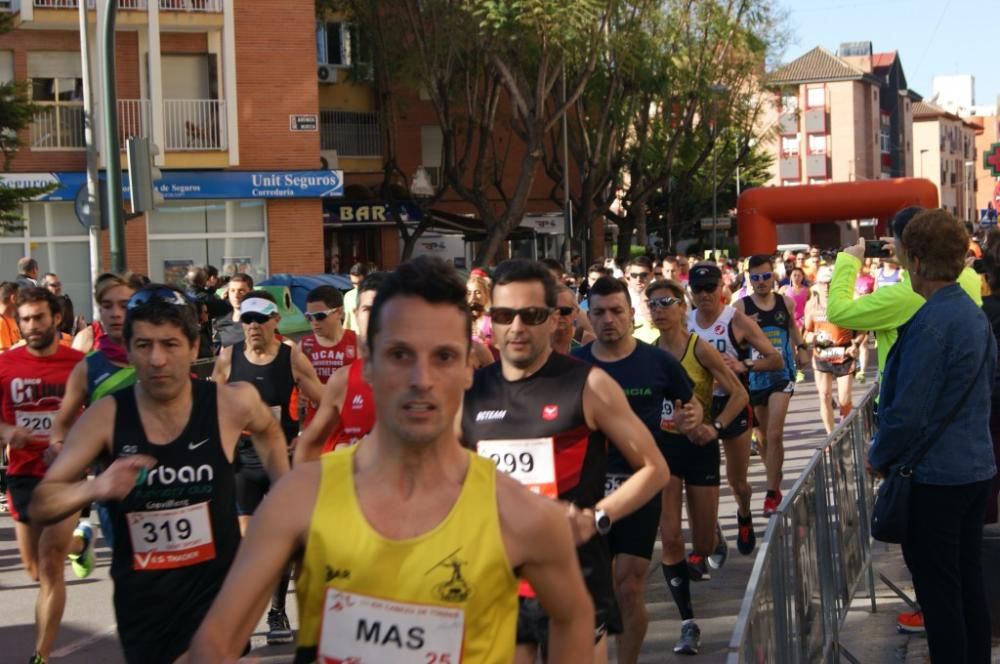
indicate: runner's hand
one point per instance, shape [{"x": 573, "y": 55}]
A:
[
  {"x": 50, "y": 453},
  {"x": 735, "y": 365},
  {"x": 118, "y": 480},
  {"x": 703, "y": 435},
  {"x": 803, "y": 357},
  {"x": 687, "y": 416},
  {"x": 19, "y": 437},
  {"x": 581, "y": 521}
]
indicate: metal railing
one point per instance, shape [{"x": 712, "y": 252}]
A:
[
  {"x": 58, "y": 127},
  {"x": 815, "y": 553},
  {"x": 73, "y": 4},
  {"x": 134, "y": 119},
  {"x": 195, "y": 124},
  {"x": 350, "y": 134},
  {"x": 207, "y": 6},
  {"x": 191, "y": 5}
]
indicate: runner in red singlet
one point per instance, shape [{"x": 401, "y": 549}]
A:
[
  {"x": 329, "y": 346},
  {"x": 346, "y": 412}
]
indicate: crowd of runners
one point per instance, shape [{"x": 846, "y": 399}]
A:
[{"x": 606, "y": 399}]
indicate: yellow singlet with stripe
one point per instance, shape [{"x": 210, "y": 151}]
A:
[
  {"x": 446, "y": 596},
  {"x": 701, "y": 378}
]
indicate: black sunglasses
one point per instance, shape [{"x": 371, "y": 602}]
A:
[
  {"x": 320, "y": 315},
  {"x": 639, "y": 275},
  {"x": 763, "y": 276},
  {"x": 565, "y": 311},
  {"x": 663, "y": 301},
  {"x": 529, "y": 315},
  {"x": 254, "y": 317},
  {"x": 157, "y": 294},
  {"x": 704, "y": 288}
]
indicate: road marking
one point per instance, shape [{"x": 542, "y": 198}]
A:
[{"x": 80, "y": 644}]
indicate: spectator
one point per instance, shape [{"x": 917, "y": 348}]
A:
[
  {"x": 576, "y": 265},
  {"x": 228, "y": 329},
  {"x": 71, "y": 323},
  {"x": 798, "y": 290},
  {"x": 638, "y": 275},
  {"x": 357, "y": 274},
  {"x": 27, "y": 272},
  {"x": 594, "y": 272},
  {"x": 991, "y": 307},
  {"x": 10, "y": 333},
  {"x": 477, "y": 294},
  {"x": 950, "y": 339},
  {"x": 211, "y": 278}
]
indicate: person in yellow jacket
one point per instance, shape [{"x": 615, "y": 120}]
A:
[{"x": 887, "y": 309}]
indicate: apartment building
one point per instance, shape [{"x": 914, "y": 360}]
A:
[
  {"x": 838, "y": 118},
  {"x": 987, "y": 186},
  {"x": 231, "y": 102},
  {"x": 945, "y": 149}
]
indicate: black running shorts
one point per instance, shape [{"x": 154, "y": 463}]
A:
[
  {"x": 760, "y": 397},
  {"x": 740, "y": 425},
  {"x": 635, "y": 535},
  {"x": 697, "y": 464},
  {"x": 19, "y": 488}
]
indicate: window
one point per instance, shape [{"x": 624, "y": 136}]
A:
[
  {"x": 789, "y": 103},
  {"x": 340, "y": 44},
  {"x": 815, "y": 97},
  {"x": 231, "y": 234},
  {"x": 789, "y": 146},
  {"x": 431, "y": 142},
  {"x": 56, "y": 84},
  {"x": 350, "y": 134},
  {"x": 790, "y": 183},
  {"x": 817, "y": 143},
  {"x": 885, "y": 141}
]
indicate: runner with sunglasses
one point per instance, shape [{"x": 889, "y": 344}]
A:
[
  {"x": 653, "y": 382},
  {"x": 733, "y": 334},
  {"x": 771, "y": 390},
  {"x": 546, "y": 418},
  {"x": 329, "y": 346},
  {"x": 346, "y": 413},
  {"x": 168, "y": 443},
  {"x": 275, "y": 369},
  {"x": 563, "y": 340}
]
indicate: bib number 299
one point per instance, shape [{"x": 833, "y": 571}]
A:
[
  {"x": 530, "y": 461},
  {"x": 512, "y": 463}
]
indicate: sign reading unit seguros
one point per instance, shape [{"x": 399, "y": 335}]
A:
[{"x": 197, "y": 185}]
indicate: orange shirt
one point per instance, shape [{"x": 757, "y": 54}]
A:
[{"x": 10, "y": 334}]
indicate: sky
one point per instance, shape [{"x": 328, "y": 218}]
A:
[{"x": 933, "y": 37}]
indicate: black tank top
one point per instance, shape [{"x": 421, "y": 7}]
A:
[
  {"x": 274, "y": 382},
  {"x": 176, "y": 534}
]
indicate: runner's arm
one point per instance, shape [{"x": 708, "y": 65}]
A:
[
  {"x": 265, "y": 432},
  {"x": 481, "y": 355},
  {"x": 62, "y": 492},
  {"x": 84, "y": 340},
  {"x": 751, "y": 333},
  {"x": 326, "y": 419},
  {"x": 712, "y": 360},
  {"x": 607, "y": 410},
  {"x": 223, "y": 364},
  {"x": 276, "y": 532},
  {"x": 305, "y": 376},
  {"x": 884, "y": 309},
  {"x": 540, "y": 545},
  {"x": 72, "y": 402}
]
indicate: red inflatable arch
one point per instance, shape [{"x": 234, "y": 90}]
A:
[{"x": 761, "y": 208}]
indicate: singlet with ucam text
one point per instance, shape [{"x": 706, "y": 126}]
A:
[
  {"x": 719, "y": 334},
  {"x": 327, "y": 359},
  {"x": 776, "y": 324},
  {"x": 652, "y": 380},
  {"x": 176, "y": 533},
  {"x": 275, "y": 382},
  {"x": 447, "y": 595},
  {"x": 357, "y": 413},
  {"x": 32, "y": 390}
]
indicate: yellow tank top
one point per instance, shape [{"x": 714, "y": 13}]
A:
[
  {"x": 701, "y": 378},
  {"x": 446, "y": 596}
]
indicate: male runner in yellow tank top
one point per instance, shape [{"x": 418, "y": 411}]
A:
[{"x": 411, "y": 543}]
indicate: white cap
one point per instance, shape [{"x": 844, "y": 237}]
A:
[{"x": 258, "y": 305}]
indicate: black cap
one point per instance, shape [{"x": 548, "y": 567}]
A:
[{"x": 704, "y": 273}]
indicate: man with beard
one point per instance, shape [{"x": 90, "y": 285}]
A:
[
  {"x": 32, "y": 383},
  {"x": 168, "y": 444}
]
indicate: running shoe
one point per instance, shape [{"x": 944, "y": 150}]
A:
[
  {"x": 278, "y": 628},
  {"x": 3, "y": 502},
  {"x": 771, "y": 504},
  {"x": 697, "y": 568},
  {"x": 36, "y": 659},
  {"x": 799, "y": 376},
  {"x": 910, "y": 622},
  {"x": 746, "y": 538},
  {"x": 83, "y": 562},
  {"x": 690, "y": 639},
  {"x": 860, "y": 377},
  {"x": 717, "y": 558},
  {"x": 753, "y": 445}
]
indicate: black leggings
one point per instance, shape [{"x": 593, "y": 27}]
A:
[
  {"x": 252, "y": 484},
  {"x": 943, "y": 550}
]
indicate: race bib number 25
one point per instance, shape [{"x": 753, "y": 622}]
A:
[{"x": 530, "y": 461}]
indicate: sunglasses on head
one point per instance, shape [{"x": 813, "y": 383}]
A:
[
  {"x": 158, "y": 294},
  {"x": 254, "y": 317},
  {"x": 529, "y": 315},
  {"x": 320, "y": 315},
  {"x": 639, "y": 275},
  {"x": 763, "y": 276},
  {"x": 704, "y": 288},
  {"x": 663, "y": 302}
]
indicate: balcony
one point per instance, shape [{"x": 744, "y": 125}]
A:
[
  {"x": 350, "y": 134},
  {"x": 788, "y": 168},
  {"x": 213, "y": 6},
  {"x": 817, "y": 166},
  {"x": 788, "y": 123},
  {"x": 190, "y": 125},
  {"x": 816, "y": 121}
]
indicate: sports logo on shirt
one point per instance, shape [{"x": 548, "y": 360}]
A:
[
  {"x": 720, "y": 329},
  {"x": 455, "y": 589},
  {"x": 358, "y": 402},
  {"x": 550, "y": 412},
  {"x": 780, "y": 317}
]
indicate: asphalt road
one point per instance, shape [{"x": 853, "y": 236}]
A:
[{"x": 88, "y": 633}]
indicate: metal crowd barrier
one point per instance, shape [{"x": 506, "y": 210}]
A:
[{"x": 815, "y": 553}]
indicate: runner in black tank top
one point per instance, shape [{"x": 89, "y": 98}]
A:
[{"x": 176, "y": 534}]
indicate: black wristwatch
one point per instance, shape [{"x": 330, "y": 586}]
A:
[
  {"x": 718, "y": 426},
  {"x": 803, "y": 346},
  {"x": 602, "y": 522}
]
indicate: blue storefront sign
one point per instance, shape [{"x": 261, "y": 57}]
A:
[
  {"x": 369, "y": 212},
  {"x": 197, "y": 185}
]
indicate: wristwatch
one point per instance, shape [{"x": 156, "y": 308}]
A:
[
  {"x": 803, "y": 346},
  {"x": 748, "y": 363},
  {"x": 718, "y": 426},
  {"x": 602, "y": 522}
]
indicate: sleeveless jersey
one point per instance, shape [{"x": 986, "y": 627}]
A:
[
  {"x": 831, "y": 340},
  {"x": 652, "y": 380},
  {"x": 327, "y": 359},
  {"x": 175, "y": 535},
  {"x": 105, "y": 377},
  {"x": 883, "y": 279},
  {"x": 32, "y": 388},
  {"x": 274, "y": 382},
  {"x": 451, "y": 595},
  {"x": 719, "y": 334},
  {"x": 357, "y": 415},
  {"x": 776, "y": 324},
  {"x": 701, "y": 378}
]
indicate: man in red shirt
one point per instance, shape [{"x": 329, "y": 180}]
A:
[
  {"x": 329, "y": 346},
  {"x": 32, "y": 384}
]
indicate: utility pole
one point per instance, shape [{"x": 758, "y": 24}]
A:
[
  {"x": 568, "y": 204},
  {"x": 112, "y": 155},
  {"x": 93, "y": 208}
]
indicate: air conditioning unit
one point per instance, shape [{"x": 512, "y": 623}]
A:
[
  {"x": 326, "y": 74},
  {"x": 328, "y": 160}
]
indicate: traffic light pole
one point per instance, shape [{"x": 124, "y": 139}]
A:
[{"x": 112, "y": 154}]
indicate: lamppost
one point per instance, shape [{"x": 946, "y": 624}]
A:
[
  {"x": 717, "y": 90},
  {"x": 969, "y": 204},
  {"x": 922, "y": 153}
]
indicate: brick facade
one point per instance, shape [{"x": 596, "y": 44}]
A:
[{"x": 295, "y": 236}]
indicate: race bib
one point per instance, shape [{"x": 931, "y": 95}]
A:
[
  {"x": 357, "y": 629},
  {"x": 38, "y": 422},
  {"x": 612, "y": 482},
  {"x": 531, "y": 462},
  {"x": 833, "y": 353},
  {"x": 167, "y": 539},
  {"x": 667, "y": 417},
  {"x": 276, "y": 413}
]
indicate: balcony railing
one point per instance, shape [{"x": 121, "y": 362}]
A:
[
  {"x": 191, "y": 5},
  {"x": 350, "y": 134},
  {"x": 73, "y": 4},
  {"x": 196, "y": 125},
  {"x": 165, "y": 5}
]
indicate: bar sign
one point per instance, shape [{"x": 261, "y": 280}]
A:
[{"x": 308, "y": 122}]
